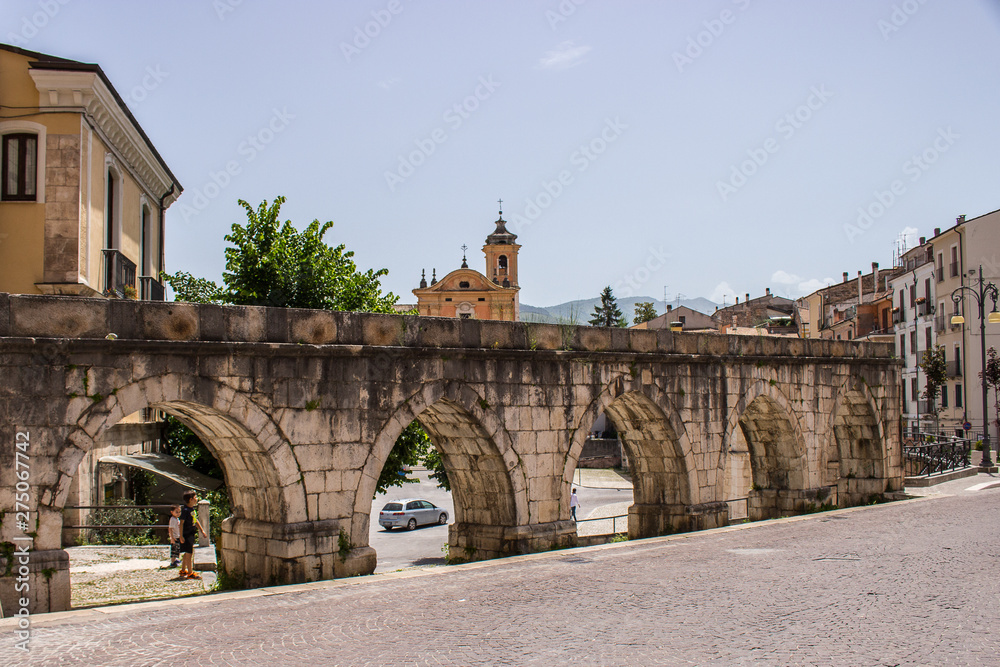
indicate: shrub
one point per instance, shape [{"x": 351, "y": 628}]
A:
[{"x": 124, "y": 512}]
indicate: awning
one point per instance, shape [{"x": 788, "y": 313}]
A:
[{"x": 169, "y": 467}]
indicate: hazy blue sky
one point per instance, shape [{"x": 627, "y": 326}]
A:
[{"x": 715, "y": 148}]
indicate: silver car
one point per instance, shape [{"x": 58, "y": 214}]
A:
[{"x": 410, "y": 513}]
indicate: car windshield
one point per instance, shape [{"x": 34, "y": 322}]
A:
[{"x": 392, "y": 507}]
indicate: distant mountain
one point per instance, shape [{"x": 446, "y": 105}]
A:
[{"x": 579, "y": 312}]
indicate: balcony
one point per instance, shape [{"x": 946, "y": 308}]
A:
[
  {"x": 955, "y": 369},
  {"x": 924, "y": 309},
  {"x": 119, "y": 273},
  {"x": 152, "y": 289},
  {"x": 925, "y": 407},
  {"x": 939, "y": 323},
  {"x": 954, "y": 269}
]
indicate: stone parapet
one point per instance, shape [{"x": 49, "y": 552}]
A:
[{"x": 79, "y": 317}]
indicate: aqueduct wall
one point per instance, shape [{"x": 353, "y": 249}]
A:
[{"x": 301, "y": 408}]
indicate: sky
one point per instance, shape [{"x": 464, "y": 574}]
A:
[{"x": 699, "y": 148}]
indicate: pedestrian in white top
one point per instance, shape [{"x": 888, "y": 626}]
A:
[{"x": 574, "y": 502}]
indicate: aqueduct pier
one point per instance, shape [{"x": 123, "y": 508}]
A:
[{"x": 301, "y": 408}]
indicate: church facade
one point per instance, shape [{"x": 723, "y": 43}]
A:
[{"x": 469, "y": 294}]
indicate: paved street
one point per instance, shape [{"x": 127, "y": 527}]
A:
[{"x": 911, "y": 583}]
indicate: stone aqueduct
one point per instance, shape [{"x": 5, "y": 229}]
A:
[{"x": 301, "y": 408}]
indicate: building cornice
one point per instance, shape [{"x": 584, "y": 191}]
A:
[{"x": 86, "y": 92}]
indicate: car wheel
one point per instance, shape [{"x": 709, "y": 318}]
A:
[
  {"x": 443, "y": 519},
  {"x": 411, "y": 524}
]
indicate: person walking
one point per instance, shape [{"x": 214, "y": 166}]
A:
[{"x": 574, "y": 503}]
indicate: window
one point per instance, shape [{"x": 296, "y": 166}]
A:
[
  {"x": 927, "y": 339},
  {"x": 913, "y": 297},
  {"x": 904, "y": 396},
  {"x": 464, "y": 284},
  {"x": 465, "y": 316},
  {"x": 913, "y": 342},
  {"x": 958, "y": 356},
  {"x": 958, "y": 395},
  {"x": 927, "y": 290},
  {"x": 447, "y": 298},
  {"x": 940, "y": 267},
  {"x": 954, "y": 261},
  {"x": 944, "y": 397},
  {"x": 902, "y": 347},
  {"x": 913, "y": 387},
  {"x": 482, "y": 298},
  {"x": 20, "y": 167}
]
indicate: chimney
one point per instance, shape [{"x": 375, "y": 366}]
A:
[
  {"x": 923, "y": 239},
  {"x": 874, "y": 276},
  {"x": 860, "y": 289},
  {"x": 768, "y": 291},
  {"x": 669, "y": 307},
  {"x": 737, "y": 300},
  {"x": 748, "y": 297},
  {"x": 960, "y": 219},
  {"x": 845, "y": 276},
  {"x": 937, "y": 231}
]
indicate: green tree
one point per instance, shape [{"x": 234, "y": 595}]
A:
[
  {"x": 992, "y": 373},
  {"x": 935, "y": 368},
  {"x": 644, "y": 312},
  {"x": 608, "y": 314},
  {"x": 410, "y": 449},
  {"x": 193, "y": 290}
]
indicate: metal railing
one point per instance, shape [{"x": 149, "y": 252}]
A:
[
  {"x": 939, "y": 323},
  {"x": 156, "y": 526},
  {"x": 614, "y": 523},
  {"x": 152, "y": 289},
  {"x": 119, "y": 272},
  {"x": 933, "y": 458},
  {"x": 954, "y": 369}
]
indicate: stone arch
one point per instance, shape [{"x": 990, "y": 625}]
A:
[
  {"x": 260, "y": 470},
  {"x": 665, "y": 483},
  {"x": 857, "y": 440},
  {"x": 769, "y": 425},
  {"x": 488, "y": 483}
]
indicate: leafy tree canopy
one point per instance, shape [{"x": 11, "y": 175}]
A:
[
  {"x": 644, "y": 312},
  {"x": 935, "y": 369},
  {"x": 607, "y": 314},
  {"x": 269, "y": 263}
]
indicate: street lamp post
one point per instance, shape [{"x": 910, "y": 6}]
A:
[{"x": 980, "y": 294}]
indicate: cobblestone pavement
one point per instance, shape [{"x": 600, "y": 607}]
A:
[{"x": 909, "y": 583}]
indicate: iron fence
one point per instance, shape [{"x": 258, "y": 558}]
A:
[
  {"x": 614, "y": 522},
  {"x": 940, "y": 455}
]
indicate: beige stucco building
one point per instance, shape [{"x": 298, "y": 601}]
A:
[
  {"x": 468, "y": 294},
  {"x": 84, "y": 190},
  {"x": 81, "y": 213}
]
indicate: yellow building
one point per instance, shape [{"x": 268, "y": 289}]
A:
[
  {"x": 83, "y": 189},
  {"x": 468, "y": 294}
]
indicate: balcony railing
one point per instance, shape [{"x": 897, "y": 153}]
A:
[
  {"x": 954, "y": 369},
  {"x": 119, "y": 273},
  {"x": 925, "y": 407},
  {"x": 954, "y": 269},
  {"x": 152, "y": 289},
  {"x": 939, "y": 323}
]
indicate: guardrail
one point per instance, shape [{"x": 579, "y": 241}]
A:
[
  {"x": 926, "y": 459},
  {"x": 614, "y": 522}
]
